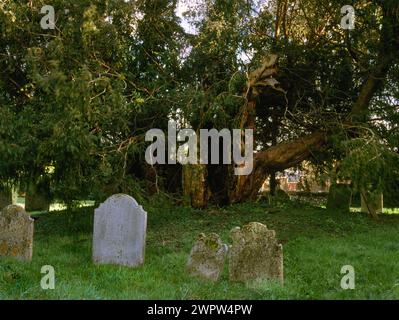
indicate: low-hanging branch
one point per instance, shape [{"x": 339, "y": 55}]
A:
[{"x": 291, "y": 153}]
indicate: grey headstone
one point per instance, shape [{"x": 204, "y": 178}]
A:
[
  {"x": 16, "y": 233},
  {"x": 119, "y": 232},
  {"x": 207, "y": 257},
  {"x": 255, "y": 254}
]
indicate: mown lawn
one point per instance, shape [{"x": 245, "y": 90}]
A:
[{"x": 316, "y": 244}]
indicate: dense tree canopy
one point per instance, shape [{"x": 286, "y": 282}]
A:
[{"x": 77, "y": 100}]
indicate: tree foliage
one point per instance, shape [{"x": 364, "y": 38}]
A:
[{"x": 76, "y": 101}]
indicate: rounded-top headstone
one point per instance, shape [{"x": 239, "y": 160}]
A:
[
  {"x": 207, "y": 257},
  {"x": 16, "y": 233},
  {"x": 119, "y": 232},
  {"x": 255, "y": 254}
]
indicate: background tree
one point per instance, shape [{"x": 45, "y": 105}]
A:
[{"x": 76, "y": 101}]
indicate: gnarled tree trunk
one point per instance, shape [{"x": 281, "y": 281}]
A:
[
  {"x": 277, "y": 158},
  {"x": 291, "y": 153},
  {"x": 195, "y": 184}
]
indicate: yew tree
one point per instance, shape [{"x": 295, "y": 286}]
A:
[
  {"x": 311, "y": 91},
  {"x": 77, "y": 100}
]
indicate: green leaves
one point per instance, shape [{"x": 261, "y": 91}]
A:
[
  {"x": 72, "y": 111},
  {"x": 80, "y": 97},
  {"x": 369, "y": 164}
]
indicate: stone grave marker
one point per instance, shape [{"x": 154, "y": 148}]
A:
[
  {"x": 207, "y": 257},
  {"x": 119, "y": 232},
  {"x": 255, "y": 254},
  {"x": 16, "y": 233}
]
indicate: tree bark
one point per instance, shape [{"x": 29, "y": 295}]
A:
[
  {"x": 277, "y": 158},
  {"x": 195, "y": 186}
]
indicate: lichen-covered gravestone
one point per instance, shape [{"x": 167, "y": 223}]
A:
[
  {"x": 255, "y": 254},
  {"x": 16, "y": 233},
  {"x": 207, "y": 257},
  {"x": 119, "y": 235}
]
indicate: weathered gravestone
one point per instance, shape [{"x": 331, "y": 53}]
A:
[
  {"x": 255, "y": 254},
  {"x": 119, "y": 232},
  {"x": 339, "y": 197},
  {"x": 372, "y": 204},
  {"x": 16, "y": 233},
  {"x": 207, "y": 257}
]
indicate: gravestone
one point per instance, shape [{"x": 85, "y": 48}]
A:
[
  {"x": 207, "y": 257},
  {"x": 16, "y": 233},
  {"x": 372, "y": 205},
  {"x": 339, "y": 197},
  {"x": 119, "y": 232},
  {"x": 7, "y": 196},
  {"x": 255, "y": 254}
]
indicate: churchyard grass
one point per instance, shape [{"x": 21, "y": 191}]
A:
[{"x": 316, "y": 244}]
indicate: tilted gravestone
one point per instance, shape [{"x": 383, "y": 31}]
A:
[
  {"x": 255, "y": 254},
  {"x": 119, "y": 232},
  {"x": 207, "y": 257},
  {"x": 16, "y": 233},
  {"x": 339, "y": 197}
]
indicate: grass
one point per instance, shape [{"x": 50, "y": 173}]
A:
[{"x": 316, "y": 245}]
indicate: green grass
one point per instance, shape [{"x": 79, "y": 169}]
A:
[{"x": 316, "y": 245}]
